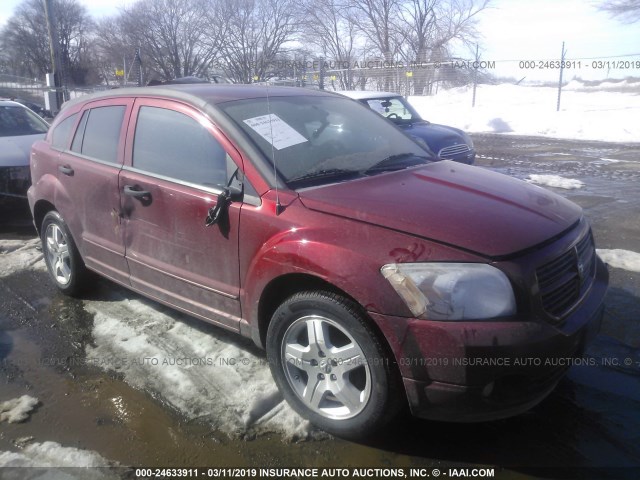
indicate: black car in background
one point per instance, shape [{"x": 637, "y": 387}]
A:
[{"x": 447, "y": 143}]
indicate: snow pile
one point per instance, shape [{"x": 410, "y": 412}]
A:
[
  {"x": 624, "y": 259},
  {"x": 629, "y": 84},
  {"x": 555, "y": 181},
  {"x": 17, "y": 410},
  {"x": 596, "y": 114},
  {"x": 209, "y": 374},
  {"x": 18, "y": 255},
  {"x": 53, "y": 455},
  {"x": 203, "y": 373}
]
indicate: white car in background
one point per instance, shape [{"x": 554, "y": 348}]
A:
[{"x": 19, "y": 129}]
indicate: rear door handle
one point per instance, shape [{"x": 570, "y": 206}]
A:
[
  {"x": 66, "y": 170},
  {"x": 136, "y": 192}
]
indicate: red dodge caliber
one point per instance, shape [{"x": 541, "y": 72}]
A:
[{"x": 373, "y": 275}]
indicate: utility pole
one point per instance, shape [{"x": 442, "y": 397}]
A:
[
  {"x": 562, "y": 56},
  {"x": 138, "y": 62},
  {"x": 475, "y": 77},
  {"x": 322, "y": 72},
  {"x": 54, "y": 50}
]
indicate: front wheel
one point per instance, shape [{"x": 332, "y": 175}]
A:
[
  {"x": 63, "y": 260},
  {"x": 331, "y": 366}
]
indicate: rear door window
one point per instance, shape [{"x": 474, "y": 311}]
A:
[{"x": 98, "y": 134}]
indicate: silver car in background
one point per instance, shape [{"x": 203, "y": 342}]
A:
[{"x": 19, "y": 129}]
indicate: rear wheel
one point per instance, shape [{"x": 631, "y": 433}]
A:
[
  {"x": 63, "y": 260},
  {"x": 330, "y": 364}
]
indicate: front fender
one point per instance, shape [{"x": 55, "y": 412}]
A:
[{"x": 342, "y": 252}]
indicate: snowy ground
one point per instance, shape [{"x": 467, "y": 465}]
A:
[
  {"x": 206, "y": 377},
  {"x": 17, "y": 409},
  {"x": 608, "y": 112},
  {"x": 202, "y": 376},
  {"x": 52, "y": 454},
  {"x": 556, "y": 181},
  {"x": 45, "y": 454},
  {"x": 619, "y": 258}
]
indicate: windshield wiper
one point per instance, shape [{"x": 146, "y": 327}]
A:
[
  {"x": 324, "y": 173},
  {"x": 396, "y": 162}
]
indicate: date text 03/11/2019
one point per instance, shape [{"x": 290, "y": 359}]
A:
[
  {"x": 578, "y": 64},
  {"x": 313, "y": 472}
]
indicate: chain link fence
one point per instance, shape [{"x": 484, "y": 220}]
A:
[{"x": 416, "y": 78}]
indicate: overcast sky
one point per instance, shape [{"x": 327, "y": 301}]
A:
[
  {"x": 516, "y": 30},
  {"x": 534, "y": 30}
]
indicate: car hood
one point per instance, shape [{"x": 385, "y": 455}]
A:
[
  {"x": 436, "y": 136},
  {"x": 14, "y": 151},
  {"x": 468, "y": 207}
]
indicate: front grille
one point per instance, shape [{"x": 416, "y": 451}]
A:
[
  {"x": 563, "y": 280},
  {"x": 453, "y": 151}
]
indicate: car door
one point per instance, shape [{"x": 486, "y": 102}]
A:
[
  {"x": 88, "y": 171},
  {"x": 180, "y": 162}
]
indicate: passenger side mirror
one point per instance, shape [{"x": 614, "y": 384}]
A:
[{"x": 218, "y": 214}]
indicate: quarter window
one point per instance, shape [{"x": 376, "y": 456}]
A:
[
  {"x": 60, "y": 134},
  {"x": 174, "y": 145}
]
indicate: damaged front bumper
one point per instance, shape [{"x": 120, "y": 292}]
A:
[{"x": 485, "y": 370}]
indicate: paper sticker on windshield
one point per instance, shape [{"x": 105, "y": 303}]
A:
[{"x": 284, "y": 135}]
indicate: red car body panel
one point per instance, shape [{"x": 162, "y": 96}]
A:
[
  {"x": 454, "y": 204},
  {"x": 339, "y": 235}
]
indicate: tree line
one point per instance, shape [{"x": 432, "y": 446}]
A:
[{"x": 244, "y": 41}]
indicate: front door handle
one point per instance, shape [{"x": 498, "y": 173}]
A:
[
  {"x": 66, "y": 170},
  {"x": 136, "y": 192}
]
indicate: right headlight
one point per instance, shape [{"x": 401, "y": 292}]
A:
[{"x": 452, "y": 291}]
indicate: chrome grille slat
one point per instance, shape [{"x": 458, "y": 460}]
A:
[
  {"x": 549, "y": 274},
  {"x": 561, "y": 281},
  {"x": 453, "y": 150}
]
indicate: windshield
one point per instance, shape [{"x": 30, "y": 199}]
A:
[
  {"x": 395, "y": 109},
  {"x": 318, "y": 140},
  {"x": 17, "y": 121}
]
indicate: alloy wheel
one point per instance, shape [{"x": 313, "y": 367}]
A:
[
  {"x": 58, "y": 254},
  {"x": 326, "y": 367}
]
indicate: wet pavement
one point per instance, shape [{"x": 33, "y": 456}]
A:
[{"x": 589, "y": 427}]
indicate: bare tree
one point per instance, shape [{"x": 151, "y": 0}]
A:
[
  {"x": 177, "y": 38},
  {"x": 327, "y": 25},
  {"x": 257, "y": 33},
  {"x": 25, "y": 38},
  {"x": 376, "y": 19},
  {"x": 430, "y": 26},
  {"x": 626, "y": 10},
  {"x": 116, "y": 50}
]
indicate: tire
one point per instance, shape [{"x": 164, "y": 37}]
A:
[
  {"x": 331, "y": 366},
  {"x": 61, "y": 255}
]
